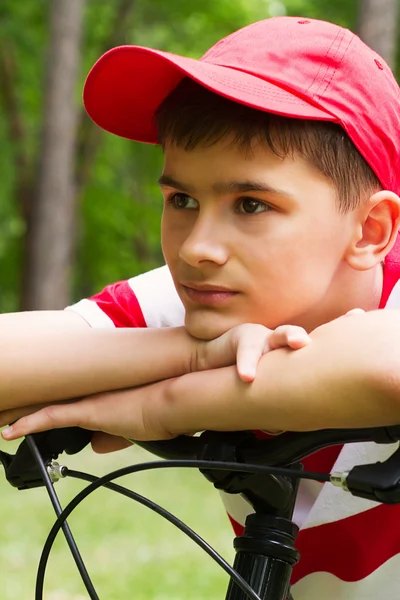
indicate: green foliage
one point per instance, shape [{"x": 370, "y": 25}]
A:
[
  {"x": 129, "y": 551},
  {"x": 122, "y": 206},
  {"x": 119, "y": 206},
  {"x": 342, "y": 12},
  {"x": 121, "y": 210}
]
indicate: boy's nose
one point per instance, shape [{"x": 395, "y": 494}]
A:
[{"x": 204, "y": 243}]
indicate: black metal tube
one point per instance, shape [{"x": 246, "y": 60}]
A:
[
  {"x": 284, "y": 449},
  {"x": 265, "y": 556},
  {"x": 291, "y": 447}
]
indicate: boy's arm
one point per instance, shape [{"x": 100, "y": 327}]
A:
[
  {"x": 349, "y": 376},
  {"x": 71, "y": 364},
  {"x": 55, "y": 355},
  {"x": 37, "y": 363},
  {"x": 39, "y": 321}
]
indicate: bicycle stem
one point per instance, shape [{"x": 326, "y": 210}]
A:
[
  {"x": 265, "y": 553},
  {"x": 265, "y": 556}
]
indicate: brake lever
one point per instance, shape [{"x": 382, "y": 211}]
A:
[
  {"x": 378, "y": 481},
  {"x": 21, "y": 469}
]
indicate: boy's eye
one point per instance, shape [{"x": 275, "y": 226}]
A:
[
  {"x": 250, "y": 206},
  {"x": 179, "y": 200}
]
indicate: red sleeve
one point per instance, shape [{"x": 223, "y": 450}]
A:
[
  {"x": 120, "y": 304},
  {"x": 391, "y": 272}
]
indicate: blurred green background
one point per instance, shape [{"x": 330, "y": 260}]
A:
[
  {"x": 129, "y": 551},
  {"x": 111, "y": 232},
  {"x": 106, "y": 227}
]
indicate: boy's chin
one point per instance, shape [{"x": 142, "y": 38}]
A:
[{"x": 207, "y": 328}]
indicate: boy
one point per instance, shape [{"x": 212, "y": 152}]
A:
[{"x": 280, "y": 186}]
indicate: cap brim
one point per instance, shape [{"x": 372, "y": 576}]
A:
[{"x": 128, "y": 83}]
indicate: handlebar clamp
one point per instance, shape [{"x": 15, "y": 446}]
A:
[
  {"x": 21, "y": 468},
  {"x": 378, "y": 481}
]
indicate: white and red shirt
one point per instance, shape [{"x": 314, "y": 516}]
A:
[{"x": 350, "y": 547}]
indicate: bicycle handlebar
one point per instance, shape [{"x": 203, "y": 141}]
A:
[
  {"x": 284, "y": 449},
  {"x": 383, "y": 479},
  {"x": 272, "y": 496},
  {"x": 377, "y": 481}
]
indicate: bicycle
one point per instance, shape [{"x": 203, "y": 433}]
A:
[{"x": 266, "y": 472}]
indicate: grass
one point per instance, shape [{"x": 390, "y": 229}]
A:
[{"x": 130, "y": 552}]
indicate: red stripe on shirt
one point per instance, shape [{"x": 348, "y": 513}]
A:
[
  {"x": 391, "y": 272},
  {"x": 351, "y": 548},
  {"x": 119, "y": 303}
]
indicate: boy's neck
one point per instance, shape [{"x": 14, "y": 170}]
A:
[{"x": 363, "y": 289}]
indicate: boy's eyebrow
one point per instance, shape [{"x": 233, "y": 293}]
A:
[{"x": 226, "y": 187}]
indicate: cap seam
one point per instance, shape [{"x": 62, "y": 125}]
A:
[
  {"x": 320, "y": 92},
  {"x": 249, "y": 88},
  {"x": 289, "y": 94},
  {"x": 321, "y": 64},
  {"x": 223, "y": 43}
]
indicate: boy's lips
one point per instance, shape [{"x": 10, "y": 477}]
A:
[{"x": 207, "y": 293}]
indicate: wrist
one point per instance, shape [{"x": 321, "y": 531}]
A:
[
  {"x": 199, "y": 359},
  {"x": 215, "y": 353}
]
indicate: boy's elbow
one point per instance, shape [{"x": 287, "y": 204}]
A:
[{"x": 383, "y": 384}]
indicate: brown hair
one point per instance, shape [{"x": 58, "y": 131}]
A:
[{"x": 193, "y": 116}]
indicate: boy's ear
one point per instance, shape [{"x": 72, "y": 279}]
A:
[{"x": 376, "y": 228}]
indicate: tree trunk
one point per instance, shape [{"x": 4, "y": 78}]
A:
[
  {"x": 378, "y": 26},
  {"x": 89, "y": 133},
  {"x": 51, "y": 227}
]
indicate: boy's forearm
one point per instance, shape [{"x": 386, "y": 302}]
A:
[
  {"x": 349, "y": 376},
  {"x": 37, "y": 368}
]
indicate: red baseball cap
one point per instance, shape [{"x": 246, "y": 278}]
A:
[{"x": 300, "y": 68}]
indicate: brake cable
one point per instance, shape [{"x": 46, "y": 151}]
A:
[{"x": 32, "y": 467}]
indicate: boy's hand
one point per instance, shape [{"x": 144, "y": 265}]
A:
[
  {"x": 218, "y": 400},
  {"x": 13, "y": 414},
  {"x": 117, "y": 412},
  {"x": 245, "y": 345},
  {"x": 122, "y": 414},
  {"x": 101, "y": 442},
  {"x": 191, "y": 404},
  {"x": 114, "y": 413}
]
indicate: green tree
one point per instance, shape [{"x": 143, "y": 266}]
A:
[{"x": 118, "y": 203}]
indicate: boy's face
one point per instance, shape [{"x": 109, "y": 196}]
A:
[{"x": 251, "y": 238}]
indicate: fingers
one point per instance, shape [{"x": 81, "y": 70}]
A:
[
  {"x": 50, "y": 417},
  {"x": 131, "y": 413},
  {"x": 257, "y": 340},
  {"x": 288, "y": 335},
  {"x": 251, "y": 347},
  {"x": 102, "y": 443},
  {"x": 9, "y": 416}
]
